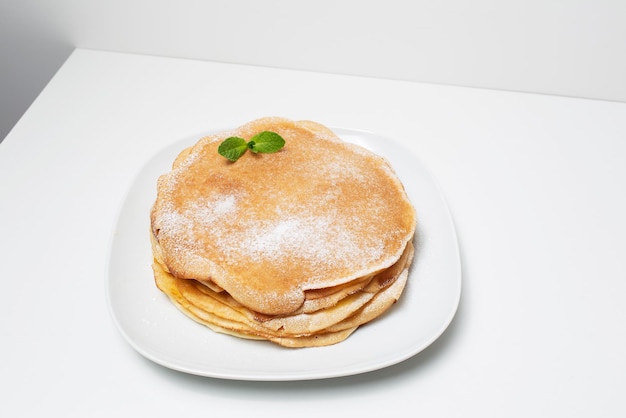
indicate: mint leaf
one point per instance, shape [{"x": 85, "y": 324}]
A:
[
  {"x": 232, "y": 148},
  {"x": 266, "y": 142}
]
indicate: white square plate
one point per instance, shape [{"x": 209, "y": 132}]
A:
[{"x": 157, "y": 330}]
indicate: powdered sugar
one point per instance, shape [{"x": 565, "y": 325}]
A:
[{"x": 319, "y": 240}]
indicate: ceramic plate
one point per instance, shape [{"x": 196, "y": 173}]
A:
[{"x": 161, "y": 333}]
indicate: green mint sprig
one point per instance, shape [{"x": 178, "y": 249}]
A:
[{"x": 264, "y": 142}]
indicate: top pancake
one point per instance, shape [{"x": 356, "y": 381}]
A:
[{"x": 268, "y": 227}]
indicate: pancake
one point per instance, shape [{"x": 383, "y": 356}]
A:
[
  {"x": 328, "y": 326},
  {"x": 269, "y": 229},
  {"x": 220, "y": 309},
  {"x": 299, "y": 248}
]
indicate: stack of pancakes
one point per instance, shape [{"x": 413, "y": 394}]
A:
[{"x": 299, "y": 247}]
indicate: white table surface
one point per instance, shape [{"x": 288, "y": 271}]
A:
[{"x": 536, "y": 185}]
